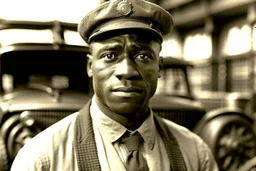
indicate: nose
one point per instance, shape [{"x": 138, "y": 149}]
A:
[{"x": 126, "y": 69}]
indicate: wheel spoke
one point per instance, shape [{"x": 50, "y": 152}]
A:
[
  {"x": 241, "y": 130},
  {"x": 222, "y": 153},
  {"x": 247, "y": 137},
  {"x": 235, "y": 163},
  {"x": 223, "y": 140},
  {"x": 235, "y": 146},
  {"x": 249, "y": 153},
  {"x": 233, "y": 131},
  {"x": 227, "y": 162},
  {"x": 250, "y": 145}
]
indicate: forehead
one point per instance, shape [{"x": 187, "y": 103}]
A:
[{"x": 132, "y": 39}]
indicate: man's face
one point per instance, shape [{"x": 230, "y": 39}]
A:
[{"x": 125, "y": 70}]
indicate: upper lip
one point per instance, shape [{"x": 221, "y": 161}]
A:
[{"x": 127, "y": 89}]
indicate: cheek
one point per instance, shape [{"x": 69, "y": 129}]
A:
[
  {"x": 150, "y": 77},
  {"x": 102, "y": 74}
]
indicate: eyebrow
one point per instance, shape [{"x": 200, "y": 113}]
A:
[
  {"x": 112, "y": 46},
  {"x": 140, "y": 46},
  {"x": 117, "y": 45}
]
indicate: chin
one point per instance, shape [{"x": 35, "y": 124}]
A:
[{"x": 126, "y": 108}]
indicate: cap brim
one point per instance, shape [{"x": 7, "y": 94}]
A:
[{"x": 121, "y": 26}]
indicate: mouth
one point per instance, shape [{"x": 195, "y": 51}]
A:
[{"x": 126, "y": 91}]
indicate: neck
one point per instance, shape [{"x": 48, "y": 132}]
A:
[{"x": 130, "y": 121}]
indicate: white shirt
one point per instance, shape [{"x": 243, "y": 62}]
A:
[{"x": 112, "y": 154}]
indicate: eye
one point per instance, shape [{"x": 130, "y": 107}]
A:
[
  {"x": 109, "y": 57},
  {"x": 143, "y": 57}
]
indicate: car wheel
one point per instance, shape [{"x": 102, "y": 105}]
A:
[
  {"x": 231, "y": 139},
  {"x": 16, "y": 134}
]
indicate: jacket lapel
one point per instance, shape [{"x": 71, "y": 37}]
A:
[
  {"x": 177, "y": 162},
  {"x": 84, "y": 142}
]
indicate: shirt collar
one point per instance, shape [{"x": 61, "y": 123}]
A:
[
  {"x": 114, "y": 130},
  {"x": 148, "y": 130}
]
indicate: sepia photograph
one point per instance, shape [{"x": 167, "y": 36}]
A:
[{"x": 128, "y": 85}]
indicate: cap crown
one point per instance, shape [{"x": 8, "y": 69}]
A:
[{"x": 125, "y": 14}]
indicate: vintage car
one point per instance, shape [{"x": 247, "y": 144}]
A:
[
  {"x": 228, "y": 130},
  {"x": 40, "y": 83}
]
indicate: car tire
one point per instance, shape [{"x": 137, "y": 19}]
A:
[
  {"x": 16, "y": 134},
  {"x": 3, "y": 156},
  {"x": 231, "y": 139},
  {"x": 250, "y": 165}
]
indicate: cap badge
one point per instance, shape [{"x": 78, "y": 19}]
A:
[{"x": 124, "y": 7}]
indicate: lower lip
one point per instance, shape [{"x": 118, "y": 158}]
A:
[{"x": 126, "y": 94}]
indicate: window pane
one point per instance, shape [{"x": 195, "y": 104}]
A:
[
  {"x": 73, "y": 38},
  {"x": 172, "y": 46},
  {"x": 254, "y": 38},
  {"x": 25, "y": 36},
  {"x": 240, "y": 75},
  {"x": 173, "y": 82},
  {"x": 197, "y": 46},
  {"x": 237, "y": 40},
  {"x": 200, "y": 78}
]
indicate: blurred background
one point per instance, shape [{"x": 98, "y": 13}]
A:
[
  {"x": 47, "y": 10},
  {"x": 213, "y": 60},
  {"x": 216, "y": 35}
]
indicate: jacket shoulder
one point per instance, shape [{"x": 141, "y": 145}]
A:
[{"x": 195, "y": 151}]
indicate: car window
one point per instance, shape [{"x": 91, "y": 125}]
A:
[
  {"x": 173, "y": 82},
  {"x": 55, "y": 69}
]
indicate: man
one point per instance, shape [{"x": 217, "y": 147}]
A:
[{"x": 125, "y": 39}]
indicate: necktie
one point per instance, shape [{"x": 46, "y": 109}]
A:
[{"x": 135, "y": 161}]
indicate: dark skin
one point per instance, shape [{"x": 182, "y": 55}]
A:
[{"x": 125, "y": 70}]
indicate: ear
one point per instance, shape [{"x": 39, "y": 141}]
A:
[
  {"x": 161, "y": 65},
  {"x": 89, "y": 65}
]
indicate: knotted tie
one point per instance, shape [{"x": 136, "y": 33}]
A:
[{"x": 134, "y": 161}]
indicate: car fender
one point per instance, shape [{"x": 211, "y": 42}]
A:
[{"x": 210, "y": 115}]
